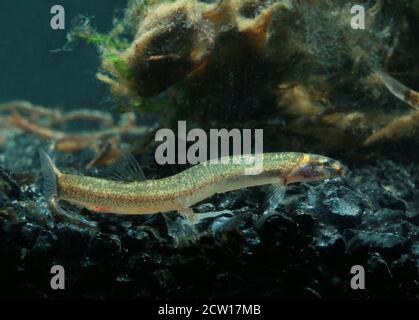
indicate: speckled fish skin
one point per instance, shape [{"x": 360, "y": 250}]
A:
[{"x": 197, "y": 183}]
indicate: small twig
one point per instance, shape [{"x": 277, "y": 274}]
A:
[
  {"x": 55, "y": 116},
  {"x": 105, "y": 142},
  {"x": 45, "y": 133}
]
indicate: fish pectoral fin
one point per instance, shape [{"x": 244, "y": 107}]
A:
[
  {"x": 128, "y": 170},
  {"x": 275, "y": 197},
  {"x": 214, "y": 214},
  {"x": 71, "y": 217},
  {"x": 54, "y": 206},
  {"x": 188, "y": 214}
]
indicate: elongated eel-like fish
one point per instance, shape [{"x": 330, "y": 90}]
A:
[{"x": 183, "y": 190}]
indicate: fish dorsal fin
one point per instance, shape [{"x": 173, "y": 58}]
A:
[
  {"x": 128, "y": 169},
  {"x": 275, "y": 197}
]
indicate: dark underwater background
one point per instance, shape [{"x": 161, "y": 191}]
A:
[
  {"x": 304, "y": 249},
  {"x": 65, "y": 79}
]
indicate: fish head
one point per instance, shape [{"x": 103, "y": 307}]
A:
[{"x": 315, "y": 168}]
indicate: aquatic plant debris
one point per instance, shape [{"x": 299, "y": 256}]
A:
[
  {"x": 232, "y": 62},
  {"x": 41, "y": 121},
  {"x": 402, "y": 92},
  {"x": 402, "y": 126}
]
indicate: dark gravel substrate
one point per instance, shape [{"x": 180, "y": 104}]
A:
[{"x": 303, "y": 250}]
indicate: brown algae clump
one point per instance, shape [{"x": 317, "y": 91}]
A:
[
  {"x": 192, "y": 41},
  {"x": 171, "y": 41},
  {"x": 252, "y": 61}
]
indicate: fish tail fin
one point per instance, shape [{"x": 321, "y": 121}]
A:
[
  {"x": 49, "y": 173},
  {"x": 399, "y": 90}
]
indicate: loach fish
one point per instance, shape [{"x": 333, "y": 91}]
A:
[{"x": 181, "y": 191}]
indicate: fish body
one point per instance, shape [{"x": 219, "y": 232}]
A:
[{"x": 183, "y": 190}]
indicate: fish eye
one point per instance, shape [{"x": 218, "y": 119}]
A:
[
  {"x": 308, "y": 171},
  {"x": 327, "y": 163}
]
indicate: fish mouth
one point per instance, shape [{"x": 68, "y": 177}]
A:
[
  {"x": 335, "y": 168},
  {"x": 339, "y": 170}
]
